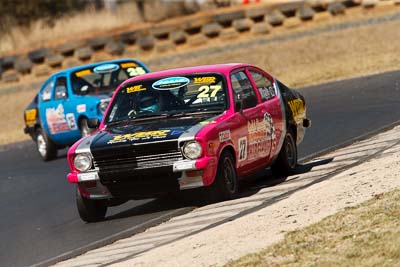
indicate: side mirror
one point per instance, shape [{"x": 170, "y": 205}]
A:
[
  {"x": 239, "y": 105},
  {"x": 93, "y": 123}
]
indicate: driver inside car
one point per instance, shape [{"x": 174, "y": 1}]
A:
[
  {"x": 156, "y": 101},
  {"x": 81, "y": 86},
  {"x": 150, "y": 103}
]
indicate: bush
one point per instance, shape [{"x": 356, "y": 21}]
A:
[{"x": 23, "y": 12}]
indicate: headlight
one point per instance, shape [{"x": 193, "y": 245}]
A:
[
  {"x": 192, "y": 150},
  {"x": 103, "y": 106},
  {"x": 83, "y": 162}
]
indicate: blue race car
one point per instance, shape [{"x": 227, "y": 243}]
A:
[{"x": 58, "y": 115}]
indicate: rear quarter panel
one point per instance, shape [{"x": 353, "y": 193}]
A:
[{"x": 295, "y": 106}]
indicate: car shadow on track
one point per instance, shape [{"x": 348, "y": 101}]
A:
[
  {"x": 266, "y": 179},
  {"x": 155, "y": 206},
  {"x": 193, "y": 199}
]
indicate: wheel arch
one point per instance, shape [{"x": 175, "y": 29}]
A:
[
  {"x": 80, "y": 118},
  {"x": 230, "y": 149},
  {"x": 39, "y": 127},
  {"x": 292, "y": 128},
  {"x": 34, "y": 130}
]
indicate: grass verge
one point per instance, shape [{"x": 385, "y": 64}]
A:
[
  {"x": 88, "y": 23},
  {"x": 11, "y": 114},
  {"x": 365, "y": 235}
]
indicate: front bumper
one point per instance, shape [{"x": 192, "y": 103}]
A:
[
  {"x": 89, "y": 185},
  {"x": 193, "y": 174},
  {"x": 196, "y": 173},
  {"x": 29, "y": 130}
]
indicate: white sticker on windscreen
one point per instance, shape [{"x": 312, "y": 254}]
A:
[{"x": 170, "y": 83}]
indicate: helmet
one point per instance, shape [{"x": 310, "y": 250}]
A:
[{"x": 149, "y": 103}]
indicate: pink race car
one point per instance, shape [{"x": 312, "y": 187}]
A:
[{"x": 199, "y": 127}]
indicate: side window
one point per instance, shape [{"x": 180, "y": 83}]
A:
[
  {"x": 264, "y": 85},
  {"x": 60, "y": 91},
  {"x": 45, "y": 94},
  {"x": 243, "y": 90}
]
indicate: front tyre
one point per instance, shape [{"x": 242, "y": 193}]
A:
[
  {"x": 90, "y": 210},
  {"x": 225, "y": 185},
  {"x": 45, "y": 147},
  {"x": 286, "y": 162}
]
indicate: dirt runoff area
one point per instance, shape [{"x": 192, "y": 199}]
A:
[{"x": 378, "y": 173}]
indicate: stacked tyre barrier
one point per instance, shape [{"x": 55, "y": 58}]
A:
[{"x": 189, "y": 31}]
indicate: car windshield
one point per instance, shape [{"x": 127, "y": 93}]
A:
[
  {"x": 169, "y": 96},
  {"x": 104, "y": 78}
]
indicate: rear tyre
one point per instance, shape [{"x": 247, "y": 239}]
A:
[
  {"x": 225, "y": 185},
  {"x": 90, "y": 210},
  {"x": 286, "y": 162},
  {"x": 45, "y": 147},
  {"x": 84, "y": 128}
]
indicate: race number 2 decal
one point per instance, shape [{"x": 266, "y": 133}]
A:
[
  {"x": 205, "y": 91},
  {"x": 242, "y": 148}
]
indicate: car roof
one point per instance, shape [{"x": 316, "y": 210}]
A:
[
  {"x": 91, "y": 65},
  {"x": 219, "y": 68}
]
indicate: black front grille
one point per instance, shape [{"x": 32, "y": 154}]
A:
[
  {"x": 134, "y": 171},
  {"x": 123, "y": 164},
  {"x": 137, "y": 157}
]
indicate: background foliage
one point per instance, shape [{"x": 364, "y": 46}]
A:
[{"x": 24, "y": 12}]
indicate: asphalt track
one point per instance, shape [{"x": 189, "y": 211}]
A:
[{"x": 39, "y": 220}]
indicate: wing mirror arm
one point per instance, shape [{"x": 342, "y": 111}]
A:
[
  {"x": 239, "y": 106},
  {"x": 93, "y": 123}
]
